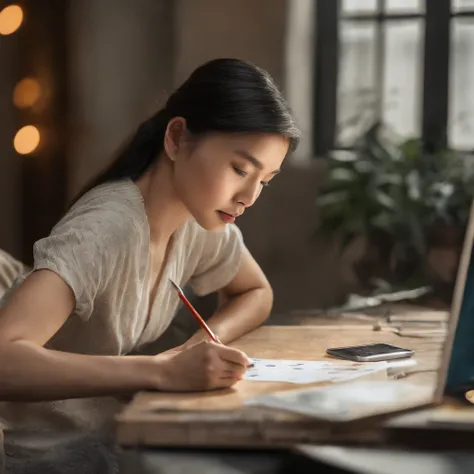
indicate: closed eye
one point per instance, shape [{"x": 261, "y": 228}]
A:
[
  {"x": 239, "y": 171},
  {"x": 243, "y": 173}
]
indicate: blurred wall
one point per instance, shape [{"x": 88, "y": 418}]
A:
[
  {"x": 10, "y": 191},
  {"x": 121, "y": 63},
  {"x": 207, "y": 29}
]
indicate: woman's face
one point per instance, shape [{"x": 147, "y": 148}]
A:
[{"x": 220, "y": 175}]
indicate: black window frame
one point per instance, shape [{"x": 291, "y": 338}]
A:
[{"x": 437, "y": 17}]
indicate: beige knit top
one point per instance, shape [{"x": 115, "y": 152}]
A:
[{"x": 101, "y": 250}]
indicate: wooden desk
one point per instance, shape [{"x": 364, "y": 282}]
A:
[
  {"x": 448, "y": 426},
  {"x": 219, "y": 418}
]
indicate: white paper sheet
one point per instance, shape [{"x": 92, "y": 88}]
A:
[{"x": 303, "y": 371}]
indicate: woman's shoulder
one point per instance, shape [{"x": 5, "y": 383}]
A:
[
  {"x": 120, "y": 196},
  {"x": 114, "y": 208}
]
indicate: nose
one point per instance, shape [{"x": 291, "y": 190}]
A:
[{"x": 248, "y": 195}]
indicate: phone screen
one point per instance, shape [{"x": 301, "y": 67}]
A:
[{"x": 369, "y": 349}]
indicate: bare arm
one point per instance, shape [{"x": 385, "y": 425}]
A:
[
  {"x": 32, "y": 315},
  {"x": 29, "y": 371},
  {"x": 244, "y": 304}
]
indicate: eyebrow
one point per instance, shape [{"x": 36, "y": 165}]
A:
[{"x": 258, "y": 164}]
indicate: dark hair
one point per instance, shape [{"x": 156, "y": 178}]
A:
[{"x": 223, "y": 95}]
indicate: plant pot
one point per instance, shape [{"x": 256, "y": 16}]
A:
[
  {"x": 375, "y": 261},
  {"x": 446, "y": 236}
]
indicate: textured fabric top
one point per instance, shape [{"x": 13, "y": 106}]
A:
[{"x": 100, "y": 248}]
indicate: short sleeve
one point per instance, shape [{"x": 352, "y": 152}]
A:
[
  {"x": 75, "y": 251},
  {"x": 219, "y": 261}
]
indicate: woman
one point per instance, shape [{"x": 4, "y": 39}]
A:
[{"x": 99, "y": 287}]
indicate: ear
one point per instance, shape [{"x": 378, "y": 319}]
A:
[{"x": 175, "y": 137}]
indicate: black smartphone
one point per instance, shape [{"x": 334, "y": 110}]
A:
[{"x": 370, "y": 352}]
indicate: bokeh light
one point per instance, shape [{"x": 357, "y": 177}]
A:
[
  {"x": 11, "y": 18},
  {"x": 26, "y": 93},
  {"x": 26, "y": 139}
]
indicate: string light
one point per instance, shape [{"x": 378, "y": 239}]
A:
[
  {"x": 11, "y": 18},
  {"x": 26, "y": 140},
  {"x": 26, "y": 93}
]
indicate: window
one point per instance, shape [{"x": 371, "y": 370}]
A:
[{"x": 408, "y": 63}]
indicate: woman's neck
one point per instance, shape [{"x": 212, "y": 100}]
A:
[{"x": 165, "y": 211}]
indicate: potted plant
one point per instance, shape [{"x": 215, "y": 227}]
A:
[{"x": 401, "y": 199}]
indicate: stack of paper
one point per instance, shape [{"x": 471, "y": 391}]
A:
[{"x": 345, "y": 402}]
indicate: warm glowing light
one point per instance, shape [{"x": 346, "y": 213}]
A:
[
  {"x": 470, "y": 396},
  {"x": 11, "y": 18},
  {"x": 26, "y": 139},
  {"x": 26, "y": 93}
]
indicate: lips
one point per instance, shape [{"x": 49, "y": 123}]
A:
[{"x": 228, "y": 218}]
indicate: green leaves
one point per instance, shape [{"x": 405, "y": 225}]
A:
[{"x": 384, "y": 184}]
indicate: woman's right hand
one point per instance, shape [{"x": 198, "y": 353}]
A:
[{"x": 203, "y": 366}]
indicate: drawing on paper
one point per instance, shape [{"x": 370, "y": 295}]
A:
[{"x": 303, "y": 372}]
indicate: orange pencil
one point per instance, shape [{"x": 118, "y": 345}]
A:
[
  {"x": 195, "y": 313},
  {"x": 201, "y": 321}
]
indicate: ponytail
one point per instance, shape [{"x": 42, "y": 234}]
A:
[{"x": 223, "y": 95}]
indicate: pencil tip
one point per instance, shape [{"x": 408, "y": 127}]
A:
[{"x": 175, "y": 285}]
